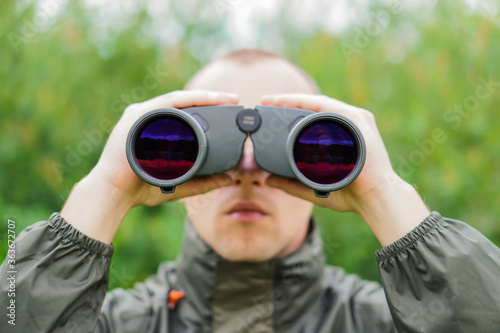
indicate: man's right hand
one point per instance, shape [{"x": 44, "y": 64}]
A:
[{"x": 100, "y": 201}]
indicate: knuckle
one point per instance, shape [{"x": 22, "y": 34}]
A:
[
  {"x": 370, "y": 118},
  {"x": 206, "y": 95},
  {"x": 131, "y": 108},
  {"x": 324, "y": 102},
  {"x": 175, "y": 94},
  {"x": 367, "y": 114},
  {"x": 324, "y": 98},
  {"x": 362, "y": 114}
]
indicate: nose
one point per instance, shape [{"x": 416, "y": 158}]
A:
[{"x": 248, "y": 172}]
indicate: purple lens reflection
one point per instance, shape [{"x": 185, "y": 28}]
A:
[
  {"x": 166, "y": 148},
  {"x": 324, "y": 152}
]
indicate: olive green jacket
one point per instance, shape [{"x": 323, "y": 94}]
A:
[{"x": 444, "y": 276}]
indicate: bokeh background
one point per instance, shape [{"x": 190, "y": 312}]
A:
[{"x": 428, "y": 70}]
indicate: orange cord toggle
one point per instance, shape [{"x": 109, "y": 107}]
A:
[{"x": 174, "y": 296}]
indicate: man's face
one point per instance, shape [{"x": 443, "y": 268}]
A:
[{"x": 249, "y": 221}]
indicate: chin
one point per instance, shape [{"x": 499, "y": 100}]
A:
[
  {"x": 244, "y": 256},
  {"x": 249, "y": 248}
]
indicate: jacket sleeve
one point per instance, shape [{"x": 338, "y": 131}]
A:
[
  {"x": 60, "y": 281},
  {"x": 142, "y": 309},
  {"x": 442, "y": 277}
]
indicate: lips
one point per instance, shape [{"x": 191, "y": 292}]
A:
[{"x": 246, "y": 211}]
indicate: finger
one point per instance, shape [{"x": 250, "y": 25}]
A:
[
  {"x": 202, "y": 184},
  {"x": 317, "y": 103},
  {"x": 187, "y": 98},
  {"x": 293, "y": 187},
  {"x": 178, "y": 99}
]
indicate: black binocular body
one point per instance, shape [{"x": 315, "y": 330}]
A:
[{"x": 166, "y": 147}]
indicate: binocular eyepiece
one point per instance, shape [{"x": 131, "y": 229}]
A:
[{"x": 166, "y": 147}]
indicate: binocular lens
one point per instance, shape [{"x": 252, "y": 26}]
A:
[
  {"x": 325, "y": 152},
  {"x": 166, "y": 147}
]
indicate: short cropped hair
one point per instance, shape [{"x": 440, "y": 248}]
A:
[{"x": 247, "y": 57}]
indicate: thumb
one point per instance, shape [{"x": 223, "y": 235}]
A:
[
  {"x": 292, "y": 187},
  {"x": 203, "y": 184}
]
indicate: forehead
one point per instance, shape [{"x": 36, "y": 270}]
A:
[{"x": 251, "y": 81}]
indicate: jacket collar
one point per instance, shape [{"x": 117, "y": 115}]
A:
[{"x": 241, "y": 296}]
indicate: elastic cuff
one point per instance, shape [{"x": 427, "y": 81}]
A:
[
  {"x": 69, "y": 234},
  {"x": 409, "y": 240}
]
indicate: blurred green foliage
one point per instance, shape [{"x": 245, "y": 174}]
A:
[{"x": 70, "y": 68}]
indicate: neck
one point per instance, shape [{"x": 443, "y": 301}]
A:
[
  {"x": 234, "y": 296},
  {"x": 296, "y": 242}
]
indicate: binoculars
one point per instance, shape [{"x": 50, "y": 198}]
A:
[{"x": 166, "y": 147}]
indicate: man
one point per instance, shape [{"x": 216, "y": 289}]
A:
[{"x": 252, "y": 259}]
